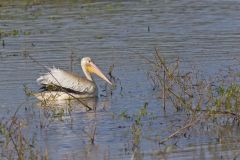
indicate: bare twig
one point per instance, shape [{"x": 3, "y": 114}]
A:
[
  {"x": 71, "y": 60},
  {"x": 164, "y": 90},
  {"x": 188, "y": 125},
  {"x": 91, "y": 135}
]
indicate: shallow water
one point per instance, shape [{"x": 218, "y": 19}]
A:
[{"x": 204, "y": 34}]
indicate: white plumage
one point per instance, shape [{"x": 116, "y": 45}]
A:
[
  {"x": 69, "y": 85},
  {"x": 67, "y": 80}
]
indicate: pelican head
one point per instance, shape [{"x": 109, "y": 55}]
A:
[{"x": 89, "y": 67}]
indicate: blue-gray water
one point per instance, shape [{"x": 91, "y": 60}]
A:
[{"x": 204, "y": 34}]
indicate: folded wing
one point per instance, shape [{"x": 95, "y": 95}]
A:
[{"x": 67, "y": 80}]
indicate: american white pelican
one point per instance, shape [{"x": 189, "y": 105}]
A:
[{"x": 59, "y": 84}]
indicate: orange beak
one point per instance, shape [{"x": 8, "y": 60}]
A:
[{"x": 92, "y": 68}]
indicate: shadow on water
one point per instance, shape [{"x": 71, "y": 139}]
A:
[{"x": 129, "y": 121}]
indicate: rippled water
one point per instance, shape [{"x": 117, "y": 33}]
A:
[{"x": 202, "y": 33}]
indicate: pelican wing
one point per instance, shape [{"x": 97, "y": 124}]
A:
[{"x": 67, "y": 80}]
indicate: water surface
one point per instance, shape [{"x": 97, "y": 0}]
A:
[{"x": 204, "y": 34}]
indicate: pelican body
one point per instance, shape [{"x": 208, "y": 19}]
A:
[{"x": 60, "y": 84}]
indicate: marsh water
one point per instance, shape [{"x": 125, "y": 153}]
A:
[{"x": 203, "y": 34}]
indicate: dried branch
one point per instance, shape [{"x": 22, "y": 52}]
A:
[{"x": 189, "y": 124}]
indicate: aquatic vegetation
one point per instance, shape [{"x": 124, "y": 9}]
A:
[
  {"x": 27, "y": 91},
  {"x": 124, "y": 115},
  {"x": 136, "y": 128},
  {"x": 99, "y": 36},
  {"x": 228, "y": 98},
  {"x": 112, "y": 7},
  {"x": 31, "y": 2},
  {"x": 15, "y": 142},
  {"x": 186, "y": 90},
  {"x": 202, "y": 99},
  {"x": 13, "y": 33}
]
